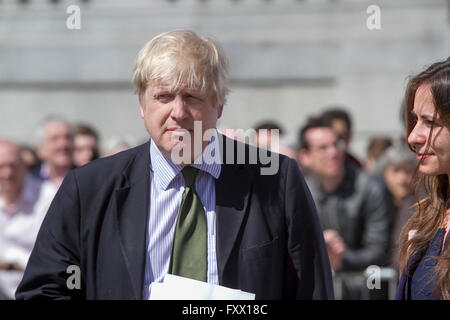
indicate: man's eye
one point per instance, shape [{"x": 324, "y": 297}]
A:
[
  {"x": 190, "y": 97},
  {"x": 163, "y": 97}
]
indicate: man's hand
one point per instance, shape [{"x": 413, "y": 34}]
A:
[{"x": 336, "y": 248}]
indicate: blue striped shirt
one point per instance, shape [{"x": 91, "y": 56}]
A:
[{"x": 166, "y": 190}]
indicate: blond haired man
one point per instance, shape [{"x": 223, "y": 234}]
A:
[{"x": 174, "y": 205}]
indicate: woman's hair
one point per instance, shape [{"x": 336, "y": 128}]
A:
[
  {"x": 183, "y": 59},
  {"x": 430, "y": 212}
]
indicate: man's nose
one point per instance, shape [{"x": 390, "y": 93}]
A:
[
  {"x": 178, "y": 109},
  {"x": 334, "y": 150},
  {"x": 64, "y": 142}
]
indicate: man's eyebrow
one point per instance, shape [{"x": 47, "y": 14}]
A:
[
  {"x": 161, "y": 89},
  {"x": 157, "y": 92}
]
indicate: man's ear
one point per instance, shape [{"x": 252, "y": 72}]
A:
[
  {"x": 141, "y": 104},
  {"x": 219, "y": 111},
  {"x": 304, "y": 158}
]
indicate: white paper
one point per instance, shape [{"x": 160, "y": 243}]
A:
[{"x": 180, "y": 288}]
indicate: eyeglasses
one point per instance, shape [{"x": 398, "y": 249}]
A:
[{"x": 339, "y": 144}]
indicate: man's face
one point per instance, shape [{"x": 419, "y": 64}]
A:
[
  {"x": 434, "y": 157},
  {"x": 12, "y": 169},
  {"x": 166, "y": 113},
  {"x": 85, "y": 147},
  {"x": 325, "y": 156},
  {"x": 57, "y": 146}
]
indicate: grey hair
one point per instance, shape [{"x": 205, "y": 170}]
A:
[
  {"x": 395, "y": 155},
  {"x": 52, "y": 118}
]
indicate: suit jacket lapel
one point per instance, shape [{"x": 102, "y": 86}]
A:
[
  {"x": 132, "y": 207},
  {"x": 232, "y": 198},
  {"x": 233, "y": 190}
]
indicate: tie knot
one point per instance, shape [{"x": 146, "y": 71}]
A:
[{"x": 189, "y": 174}]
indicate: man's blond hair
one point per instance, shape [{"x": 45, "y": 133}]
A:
[{"x": 182, "y": 58}]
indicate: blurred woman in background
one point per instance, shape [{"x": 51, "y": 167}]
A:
[{"x": 396, "y": 167}]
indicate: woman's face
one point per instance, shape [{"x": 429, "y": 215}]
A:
[
  {"x": 435, "y": 158},
  {"x": 398, "y": 180}
]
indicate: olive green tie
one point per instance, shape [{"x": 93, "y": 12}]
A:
[{"x": 189, "y": 245}]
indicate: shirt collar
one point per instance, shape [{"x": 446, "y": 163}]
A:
[
  {"x": 44, "y": 171},
  {"x": 165, "y": 170}
]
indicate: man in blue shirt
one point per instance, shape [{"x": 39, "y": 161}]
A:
[{"x": 119, "y": 219}]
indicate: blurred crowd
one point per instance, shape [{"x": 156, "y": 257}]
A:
[
  {"x": 30, "y": 178},
  {"x": 362, "y": 203}
]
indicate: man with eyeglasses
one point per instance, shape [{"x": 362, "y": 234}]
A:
[{"x": 353, "y": 207}]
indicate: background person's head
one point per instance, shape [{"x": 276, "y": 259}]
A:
[
  {"x": 340, "y": 121},
  {"x": 180, "y": 78},
  {"x": 375, "y": 149},
  {"x": 12, "y": 171},
  {"x": 321, "y": 149},
  {"x": 116, "y": 144},
  {"x": 396, "y": 166},
  {"x": 263, "y": 138},
  {"x": 56, "y": 143},
  {"x": 85, "y": 145},
  {"x": 29, "y": 156}
]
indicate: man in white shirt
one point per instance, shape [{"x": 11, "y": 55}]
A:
[
  {"x": 24, "y": 200},
  {"x": 55, "y": 149}
]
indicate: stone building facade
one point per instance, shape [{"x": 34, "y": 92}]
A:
[{"x": 289, "y": 59}]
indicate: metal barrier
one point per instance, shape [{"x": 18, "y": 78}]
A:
[{"x": 366, "y": 280}]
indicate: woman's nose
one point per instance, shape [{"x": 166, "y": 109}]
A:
[{"x": 417, "y": 136}]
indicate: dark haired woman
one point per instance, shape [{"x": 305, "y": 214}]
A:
[{"x": 424, "y": 256}]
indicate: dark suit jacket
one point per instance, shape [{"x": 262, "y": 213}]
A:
[{"x": 269, "y": 241}]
